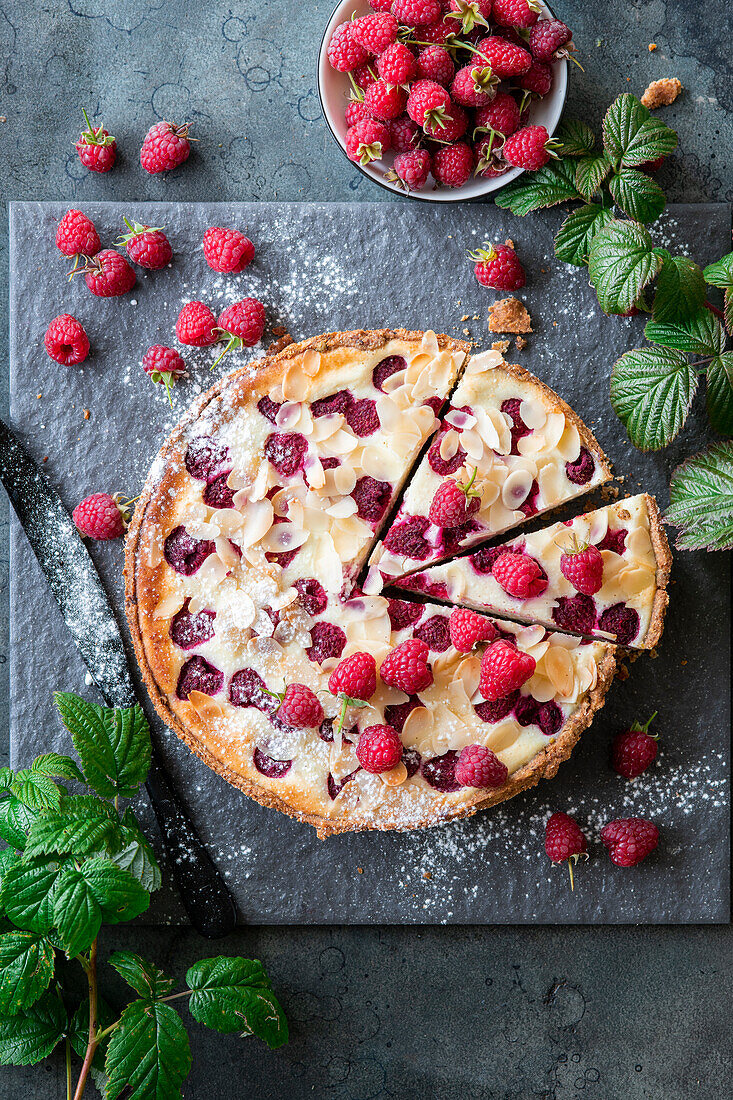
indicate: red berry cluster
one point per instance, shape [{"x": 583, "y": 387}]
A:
[{"x": 447, "y": 86}]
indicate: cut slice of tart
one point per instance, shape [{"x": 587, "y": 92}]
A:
[
  {"x": 515, "y": 449},
  {"x": 624, "y": 600}
]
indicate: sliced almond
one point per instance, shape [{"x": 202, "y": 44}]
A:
[
  {"x": 418, "y": 725},
  {"x": 296, "y": 384},
  {"x": 226, "y": 552},
  {"x": 258, "y": 519},
  {"x": 485, "y": 361},
  {"x": 568, "y": 446},
  {"x": 283, "y": 537},
  {"x": 394, "y": 382},
  {"x": 343, "y": 508},
  {"x": 311, "y": 363},
  {"x": 207, "y": 708},
  {"x": 503, "y": 735},
  {"x": 288, "y": 415},
  {"x": 169, "y": 606},
  {"x": 395, "y": 777},
  {"x": 551, "y": 482},
  {"x": 448, "y": 445},
  {"x": 532, "y": 413},
  {"x": 557, "y": 665},
  {"x": 515, "y": 489}
]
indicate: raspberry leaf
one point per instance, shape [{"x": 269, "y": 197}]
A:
[
  {"x": 719, "y": 395},
  {"x": 576, "y": 138},
  {"x": 637, "y": 195},
  {"x": 631, "y": 136},
  {"x": 35, "y": 790},
  {"x": 144, "y": 977},
  {"x": 26, "y": 968},
  {"x": 701, "y": 500},
  {"x": 235, "y": 995},
  {"x": 574, "y": 237},
  {"x": 680, "y": 288},
  {"x": 57, "y": 766},
  {"x": 148, "y": 1054},
  {"x": 27, "y": 894},
  {"x": 720, "y": 274},
  {"x": 15, "y": 822},
  {"x": 534, "y": 190},
  {"x": 621, "y": 262},
  {"x": 651, "y": 393},
  {"x": 30, "y": 1035},
  {"x": 590, "y": 174},
  {"x": 81, "y": 825},
  {"x": 113, "y": 743},
  {"x": 136, "y": 855},
  {"x": 701, "y": 335}
]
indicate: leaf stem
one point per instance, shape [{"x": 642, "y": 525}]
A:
[
  {"x": 175, "y": 996},
  {"x": 68, "y": 1069},
  {"x": 93, "y": 1043}
]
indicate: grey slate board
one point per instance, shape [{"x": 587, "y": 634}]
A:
[{"x": 336, "y": 266}]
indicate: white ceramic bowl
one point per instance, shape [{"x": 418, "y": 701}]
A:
[{"x": 333, "y": 89}]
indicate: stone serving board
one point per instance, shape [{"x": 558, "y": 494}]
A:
[{"x": 323, "y": 267}]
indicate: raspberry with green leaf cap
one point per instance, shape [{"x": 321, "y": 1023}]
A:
[
  {"x": 96, "y": 148},
  {"x": 498, "y": 267},
  {"x": 411, "y": 170},
  {"x": 474, "y": 85},
  {"x": 582, "y": 565},
  {"x": 634, "y": 749},
  {"x": 565, "y": 842},
  {"x": 163, "y": 365},
  {"x": 102, "y": 516},
  {"x": 529, "y": 148},
  {"x": 451, "y": 126},
  {"x": 353, "y": 681},
  {"x": 469, "y": 14},
  {"x": 367, "y": 141},
  {"x": 241, "y": 324},
  {"x": 454, "y": 502},
  {"x": 428, "y": 104},
  {"x": 551, "y": 39},
  {"x": 147, "y": 246}
]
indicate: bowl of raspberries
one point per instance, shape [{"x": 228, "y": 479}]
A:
[{"x": 444, "y": 100}]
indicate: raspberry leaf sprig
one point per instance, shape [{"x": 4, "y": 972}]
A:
[{"x": 74, "y": 862}]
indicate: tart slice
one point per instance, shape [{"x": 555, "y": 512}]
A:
[
  {"x": 615, "y": 590},
  {"x": 508, "y": 448}
]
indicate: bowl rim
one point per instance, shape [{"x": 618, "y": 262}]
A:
[{"x": 421, "y": 196}]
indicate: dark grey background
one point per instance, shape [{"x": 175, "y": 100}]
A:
[{"x": 593, "y": 1013}]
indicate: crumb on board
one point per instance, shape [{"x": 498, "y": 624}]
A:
[
  {"x": 427, "y": 874},
  {"x": 661, "y": 93},
  {"x": 501, "y": 345},
  {"x": 278, "y": 345},
  {"x": 521, "y": 343},
  {"x": 87, "y": 413},
  {"x": 360, "y": 870},
  {"x": 464, "y": 317},
  {"x": 509, "y": 242},
  {"x": 509, "y": 315},
  {"x": 652, "y": 47}
]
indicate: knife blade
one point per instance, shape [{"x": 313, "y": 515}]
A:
[{"x": 78, "y": 590}]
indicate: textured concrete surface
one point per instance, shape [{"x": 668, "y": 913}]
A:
[{"x": 584, "y": 1014}]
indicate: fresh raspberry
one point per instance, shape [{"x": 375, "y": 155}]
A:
[
  {"x": 364, "y": 75},
  {"x": 99, "y": 517},
  {"x": 406, "y": 667},
  {"x": 453, "y": 164},
  {"x": 516, "y": 13},
  {"x": 564, "y": 840},
  {"x": 242, "y": 324},
  {"x": 196, "y": 325},
  {"x": 411, "y": 169},
  {"x": 487, "y": 154},
  {"x": 355, "y": 111},
  {"x": 576, "y": 613},
  {"x": 147, "y": 247},
  {"x": 367, "y": 141},
  {"x": 163, "y": 365},
  {"x": 583, "y": 566},
  {"x": 453, "y": 502},
  {"x": 403, "y": 134},
  {"x": 380, "y": 5},
  {"x": 417, "y": 13},
  {"x": 165, "y": 146},
  {"x": 537, "y": 79},
  {"x": 474, "y": 85},
  {"x": 519, "y": 575},
  {"x": 634, "y": 750},
  {"x": 344, "y": 52},
  {"x": 451, "y": 127},
  {"x": 428, "y": 102},
  {"x": 227, "y": 250},
  {"x": 478, "y": 766},
  {"x": 397, "y": 64},
  {"x": 504, "y": 668},
  {"x": 629, "y": 840},
  {"x": 379, "y": 749},
  {"x": 385, "y": 101},
  {"x": 501, "y": 116},
  {"x": 469, "y": 14},
  {"x": 77, "y": 235},
  {"x": 547, "y": 39},
  {"x": 528, "y": 148},
  {"x": 96, "y": 148},
  {"x": 440, "y": 33},
  {"x": 354, "y": 678},
  {"x": 506, "y": 59},
  {"x": 436, "y": 64},
  {"x": 497, "y": 266},
  {"x": 375, "y": 32},
  {"x": 467, "y": 629},
  {"x": 300, "y": 707},
  {"x": 66, "y": 341},
  {"x": 108, "y": 274}
]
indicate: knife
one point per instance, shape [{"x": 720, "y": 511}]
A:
[{"x": 77, "y": 588}]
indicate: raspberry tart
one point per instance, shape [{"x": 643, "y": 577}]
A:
[
  {"x": 603, "y": 574},
  {"x": 510, "y": 446}
]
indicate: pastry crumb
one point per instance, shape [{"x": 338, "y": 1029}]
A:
[
  {"x": 509, "y": 315},
  {"x": 360, "y": 870},
  {"x": 661, "y": 93},
  {"x": 87, "y": 413},
  {"x": 464, "y": 317},
  {"x": 466, "y": 332},
  {"x": 652, "y": 47},
  {"x": 501, "y": 345},
  {"x": 427, "y": 874},
  {"x": 278, "y": 345},
  {"x": 509, "y": 242},
  {"x": 521, "y": 343}
]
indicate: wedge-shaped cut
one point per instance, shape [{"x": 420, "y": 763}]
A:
[
  {"x": 628, "y": 608},
  {"x": 525, "y": 449}
]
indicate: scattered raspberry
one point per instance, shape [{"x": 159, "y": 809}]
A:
[
  {"x": 403, "y": 134},
  {"x": 354, "y": 678},
  {"x": 634, "y": 750},
  {"x": 537, "y": 79},
  {"x": 564, "y": 840},
  {"x": 503, "y": 668},
  {"x": 501, "y": 116},
  {"x": 147, "y": 247},
  {"x": 77, "y": 235},
  {"x": 300, "y": 707},
  {"x": 436, "y": 64},
  {"x": 629, "y": 840},
  {"x": 478, "y": 766},
  {"x": 66, "y": 341},
  {"x": 547, "y": 38},
  {"x": 385, "y": 101},
  {"x": 196, "y": 325},
  {"x": 166, "y": 145},
  {"x": 529, "y": 148},
  {"x": 108, "y": 274},
  {"x": 344, "y": 52},
  {"x": 163, "y": 365},
  {"x": 397, "y": 64},
  {"x": 99, "y": 517},
  {"x": 519, "y": 575},
  {"x": 470, "y": 13},
  {"x": 453, "y": 503},
  {"x": 428, "y": 104},
  {"x": 474, "y": 85},
  {"x": 453, "y": 164},
  {"x": 411, "y": 169},
  {"x": 583, "y": 566},
  {"x": 96, "y": 148},
  {"x": 227, "y": 250},
  {"x": 516, "y": 13},
  {"x": 504, "y": 57},
  {"x": 242, "y": 324},
  {"x": 417, "y": 13},
  {"x": 367, "y": 141},
  {"x": 467, "y": 629},
  {"x": 406, "y": 667},
  {"x": 379, "y": 749},
  {"x": 497, "y": 266},
  {"x": 375, "y": 32}
]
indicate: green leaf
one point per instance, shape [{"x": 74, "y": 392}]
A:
[
  {"x": 620, "y": 264},
  {"x": 144, "y": 977},
  {"x": 234, "y": 994},
  {"x": 651, "y": 393},
  {"x": 590, "y": 174},
  {"x": 728, "y": 309},
  {"x": 77, "y": 915},
  {"x": 148, "y": 1057},
  {"x": 576, "y": 138},
  {"x": 701, "y": 335},
  {"x": 118, "y": 893},
  {"x": 552, "y": 184},
  {"x": 27, "y": 894},
  {"x": 701, "y": 500},
  {"x": 61, "y": 832},
  {"x": 632, "y": 136},
  {"x": 113, "y": 744},
  {"x": 719, "y": 395},
  {"x": 26, "y": 968},
  {"x": 35, "y": 790},
  {"x": 680, "y": 288},
  {"x": 137, "y": 855},
  {"x": 638, "y": 196},
  {"x": 573, "y": 238},
  {"x": 62, "y": 767},
  {"x": 15, "y": 821},
  {"x": 6, "y": 778},
  {"x": 31, "y": 1035},
  {"x": 721, "y": 272}
]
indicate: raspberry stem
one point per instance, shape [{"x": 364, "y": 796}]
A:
[{"x": 636, "y": 727}]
